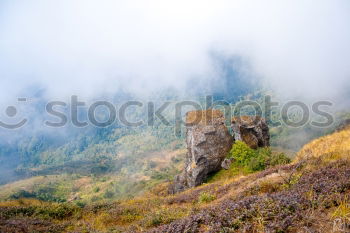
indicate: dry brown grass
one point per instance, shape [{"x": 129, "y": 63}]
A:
[
  {"x": 246, "y": 120},
  {"x": 21, "y": 202},
  {"x": 203, "y": 117},
  {"x": 331, "y": 147}
]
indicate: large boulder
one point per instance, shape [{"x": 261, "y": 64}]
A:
[
  {"x": 208, "y": 142},
  {"x": 253, "y": 130}
]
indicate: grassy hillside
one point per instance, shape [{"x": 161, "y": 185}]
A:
[
  {"x": 154, "y": 168},
  {"x": 309, "y": 194},
  {"x": 334, "y": 146}
]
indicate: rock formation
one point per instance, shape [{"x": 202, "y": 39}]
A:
[
  {"x": 252, "y": 130},
  {"x": 208, "y": 142}
]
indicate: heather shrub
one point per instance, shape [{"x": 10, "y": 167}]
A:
[{"x": 279, "y": 211}]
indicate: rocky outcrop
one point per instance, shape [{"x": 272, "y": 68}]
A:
[
  {"x": 252, "y": 130},
  {"x": 208, "y": 142}
]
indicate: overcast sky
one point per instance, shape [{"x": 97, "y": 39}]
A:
[{"x": 299, "y": 47}]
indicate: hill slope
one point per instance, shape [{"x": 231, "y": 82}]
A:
[{"x": 308, "y": 195}]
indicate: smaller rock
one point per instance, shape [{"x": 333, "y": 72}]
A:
[
  {"x": 226, "y": 164},
  {"x": 179, "y": 184},
  {"x": 252, "y": 130}
]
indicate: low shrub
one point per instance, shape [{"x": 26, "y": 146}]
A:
[
  {"x": 278, "y": 158},
  {"x": 108, "y": 194},
  {"x": 96, "y": 189},
  {"x": 57, "y": 211},
  {"x": 242, "y": 153},
  {"x": 43, "y": 194},
  {"x": 206, "y": 197},
  {"x": 256, "y": 160}
]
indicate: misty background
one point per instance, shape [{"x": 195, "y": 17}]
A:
[
  {"x": 91, "y": 48},
  {"x": 127, "y": 49}
]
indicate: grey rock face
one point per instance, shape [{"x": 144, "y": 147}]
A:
[
  {"x": 208, "y": 142},
  {"x": 254, "y": 131},
  {"x": 226, "y": 163}
]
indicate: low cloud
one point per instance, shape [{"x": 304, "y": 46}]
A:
[{"x": 300, "y": 48}]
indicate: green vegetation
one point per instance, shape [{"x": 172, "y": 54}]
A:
[
  {"x": 206, "y": 197},
  {"x": 255, "y": 160},
  {"x": 247, "y": 161}
]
